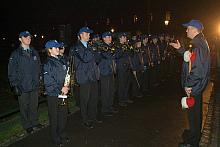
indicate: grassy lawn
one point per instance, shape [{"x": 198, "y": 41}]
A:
[{"x": 11, "y": 129}]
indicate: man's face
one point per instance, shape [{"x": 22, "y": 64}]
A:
[
  {"x": 107, "y": 39},
  {"x": 62, "y": 50},
  {"x": 85, "y": 36},
  {"x": 25, "y": 40},
  {"x": 191, "y": 32},
  {"x": 138, "y": 44},
  {"x": 155, "y": 40},
  {"x": 123, "y": 39},
  {"x": 145, "y": 40}
]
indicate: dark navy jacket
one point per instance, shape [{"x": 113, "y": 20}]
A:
[
  {"x": 54, "y": 76},
  {"x": 154, "y": 53},
  {"x": 136, "y": 63},
  {"x": 122, "y": 60},
  {"x": 146, "y": 55},
  {"x": 24, "y": 69},
  {"x": 85, "y": 66},
  {"x": 105, "y": 62},
  {"x": 199, "y": 75}
]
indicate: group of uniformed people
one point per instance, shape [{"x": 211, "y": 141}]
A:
[
  {"x": 106, "y": 72},
  {"x": 113, "y": 72}
]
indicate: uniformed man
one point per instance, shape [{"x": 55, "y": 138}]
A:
[
  {"x": 123, "y": 69},
  {"x": 87, "y": 75},
  {"x": 147, "y": 63},
  {"x": 24, "y": 69},
  {"x": 137, "y": 68},
  {"x": 107, "y": 68}
]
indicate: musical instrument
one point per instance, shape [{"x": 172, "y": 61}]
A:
[{"x": 63, "y": 96}]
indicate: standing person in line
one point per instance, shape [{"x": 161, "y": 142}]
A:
[
  {"x": 195, "y": 76},
  {"x": 106, "y": 66},
  {"x": 54, "y": 76},
  {"x": 87, "y": 77},
  {"x": 24, "y": 70}
]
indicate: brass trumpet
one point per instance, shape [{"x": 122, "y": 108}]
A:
[{"x": 62, "y": 97}]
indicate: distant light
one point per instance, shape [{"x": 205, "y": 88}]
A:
[
  {"x": 35, "y": 35},
  {"x": 42, "y": 36},
  {"x": 112, "y": 30},
  {"x": 166, "y": 22},
  {"x": 219, "y": 29},
  {"x": 3, "y": 38}
]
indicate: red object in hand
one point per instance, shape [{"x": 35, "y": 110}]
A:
[
  {"x": 193, "y": 57},
  {"x": 187, "y": 102},
  {"x": 190, "y": 101}
]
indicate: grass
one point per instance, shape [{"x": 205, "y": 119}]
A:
[{"x": 11, "y": 130}]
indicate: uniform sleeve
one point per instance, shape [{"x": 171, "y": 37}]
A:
[
  {"x": 13, "y": 70},
  {"x": 196, "y": 74},
  {"x": 181, "y": 50},
  {"x": 49, "y": 79}
]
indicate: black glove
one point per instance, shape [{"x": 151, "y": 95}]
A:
[{"x": 16, "y": 90}]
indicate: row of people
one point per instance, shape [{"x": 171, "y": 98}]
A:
[{"x": 101, "y": 69}]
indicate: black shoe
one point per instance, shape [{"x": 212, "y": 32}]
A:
[
  {"x": 88, "y": 125},
  {"x": 139, "y": 96},
  {"x": 184, "y": 145},
  {"x": 108, "y": 114},
  {"x": 38, "y": 127},
  {"x": 129, "y": 101},
  {"x": 97, "y": 121},
  {"x": 122, "y": 104},
  {"x": 65, "y": 140},
  {"x": 59, "y": 145},
  {"x": 114, "y": 111},
  {"x": 30, "y": 130}
]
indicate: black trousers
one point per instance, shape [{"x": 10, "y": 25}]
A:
[
  {"x": 107, "y": 92},
  {"x": 88, "y": 101},
  {"x": 57, "y": 119},
  {"x": 123, "y": 85},
  {"x": 195, "y": 121},
  {"x": 145, "y": 83},
  {"x": 28, "y": 104}
]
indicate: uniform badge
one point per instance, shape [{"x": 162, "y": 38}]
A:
[
  {"x": 64, "y": 67},
  {"x": 35, "y": 58}
]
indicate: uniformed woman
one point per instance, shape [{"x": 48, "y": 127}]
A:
[{"x": 54, "y": 75}]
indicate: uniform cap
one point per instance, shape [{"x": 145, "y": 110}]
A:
[
  {"x": 24, "y": 34},
  {"x": 62, "y": 44},
  {"x": 51, "y": 44},
  {"x": 106, "y": 34},
  {"x": 122, "y": 34},
  {"x": 85, "y": 29},
  {"x": 194, "y": 23}
]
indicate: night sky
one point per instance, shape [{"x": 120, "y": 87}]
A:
[{"x": 76, "y": 12}]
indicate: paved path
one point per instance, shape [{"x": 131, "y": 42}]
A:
[{"x": 153, "y": 121}]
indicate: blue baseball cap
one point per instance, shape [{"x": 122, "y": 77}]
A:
[
  {"x": 96, "y": 36},
  {"x": 24, "y": 34},
  {"x": 62, "y": 45},
  {"x": 51, "y": 44},
  {"x": 106, "y": 34},
  {"x": 194, "y": 23},
  {"x": 85, "y": 29},
  {"x": 122, "y": 34}
]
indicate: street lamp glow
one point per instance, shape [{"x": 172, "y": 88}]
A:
[
  {"x": 112, "y": 30},
  {"x": 35, "y": 35},
  {"x": 166, "y": 22},
  {"x": 42, "y": 37},
  {"x": 219, "y": 29}
]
